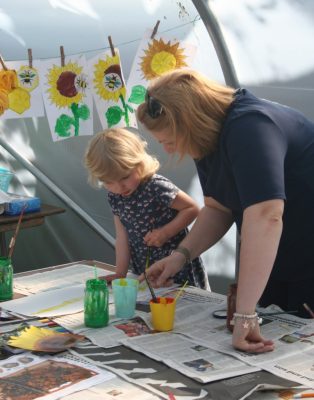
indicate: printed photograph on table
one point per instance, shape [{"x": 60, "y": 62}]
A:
[{"x": 135, "y": 327}]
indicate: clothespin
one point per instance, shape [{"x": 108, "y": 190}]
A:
[
  {"x": 155, "y": 29},
  {"x": 111, "y": 46},
  {"x": 62, "y": 56},
  {"x": 30, "y": 58},
  {"x": 3, "y": 64}
]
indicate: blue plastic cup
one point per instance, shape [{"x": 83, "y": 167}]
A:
[{"x": 124, "y": 296}]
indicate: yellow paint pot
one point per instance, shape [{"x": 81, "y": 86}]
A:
[{"x": 163, "y": 313}]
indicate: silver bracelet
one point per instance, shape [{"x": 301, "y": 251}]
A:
[
  {"x": 246, "y": 316},
  {"x": 249, "y": 320},
  {"x": 184, "y": 251}
]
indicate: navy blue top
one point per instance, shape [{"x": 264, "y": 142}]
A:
[
  {"x": 147, "y": 208},
  {"x": 265, "y": 152}
]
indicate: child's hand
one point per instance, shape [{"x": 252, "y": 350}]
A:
[
  {"x": 156, "y": 237},
  {"x": 111, "y": 277}
]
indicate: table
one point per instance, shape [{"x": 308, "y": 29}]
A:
[
  {"x": 161, "y": 378},
  {"x": 29, "y": 220}
]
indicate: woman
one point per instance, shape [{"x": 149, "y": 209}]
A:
[{"x": 255, "y": 161}]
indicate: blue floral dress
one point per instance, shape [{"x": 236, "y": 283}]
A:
[{"x": 149, "y": 207}]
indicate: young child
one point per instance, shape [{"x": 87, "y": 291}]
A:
[{"x": 151, "y": 214}]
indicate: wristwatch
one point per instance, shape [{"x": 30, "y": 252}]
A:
[{"x": 185, "y": 252}]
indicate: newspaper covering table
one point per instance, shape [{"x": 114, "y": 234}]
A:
[{"x": 199, "y": 346}]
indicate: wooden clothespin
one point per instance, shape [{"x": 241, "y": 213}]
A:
[
  {"x": 111, "y": 46},
  {"x": 30, "y": 58},
  {"x": 62, "y": 56},
  {"x": 3, "y": 64},
  {"x": 155, "y": 29}
]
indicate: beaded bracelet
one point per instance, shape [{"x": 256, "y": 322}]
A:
[{"x": 249, "y": 320}]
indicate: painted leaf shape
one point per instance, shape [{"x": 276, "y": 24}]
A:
[
  {"x": 138, "y": 94},
  {"x": 63, "y": 125},
  {"x": 113, "y": 115}
]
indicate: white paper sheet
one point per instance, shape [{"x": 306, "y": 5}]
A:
[{"x": 48, "y": 304}]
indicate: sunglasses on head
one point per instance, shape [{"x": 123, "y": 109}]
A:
[{"x": 154, "y": 108}]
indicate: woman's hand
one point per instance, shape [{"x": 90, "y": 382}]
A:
[
  {"x": 249, "y": 338},
  {"x": 161, "y": 273}
]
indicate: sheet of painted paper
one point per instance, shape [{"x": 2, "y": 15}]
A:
[
  {"x": 155, "y": 57},
  {"x": 43, "y": 339},
  {"x": 56, "y": 278},
  {"x": 109, "y": 91},
  {"x": 67, "y": 97},
  {"x": 28, "y": 376},
  {"x": 51, "y": 303},
  {"x": 24, "y": 97}
]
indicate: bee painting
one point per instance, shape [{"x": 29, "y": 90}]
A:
[
  {"x": 28, "y": 78},
  {"x": 81, "y": 83},
  {"x": 112, "y": 82}
]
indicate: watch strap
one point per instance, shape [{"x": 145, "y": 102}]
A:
[{"x": 186, "y": 252}]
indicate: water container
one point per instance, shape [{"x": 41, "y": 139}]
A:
[{"x": 5, "y": 179}]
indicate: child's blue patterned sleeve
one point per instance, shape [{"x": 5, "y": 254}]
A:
[{"x": 165, "y": 190}]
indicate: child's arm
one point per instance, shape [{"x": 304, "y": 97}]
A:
[
  {"x": 188, "y": 211},
  {"x": 122, "y": 251}
]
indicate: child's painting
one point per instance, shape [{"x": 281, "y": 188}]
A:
[
  {"x": 155, "y": 57},
  {"x": 67, "y": 97},
  {"x": 29, "y": 377},
  {"x": 109, "y": 91},
  {"x": 20, "y": 93}
]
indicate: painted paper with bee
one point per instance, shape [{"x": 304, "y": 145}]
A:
[
  {"x": 20, "y": 90},
  {"x": 109, "y": 91},
  {"x": 155, "y": 57},
  {"x": 67, "y": 96}
]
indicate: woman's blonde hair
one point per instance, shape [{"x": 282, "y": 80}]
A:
[
  {"x": 113, "y": 153},
  {"x": 193, "y": 109}
]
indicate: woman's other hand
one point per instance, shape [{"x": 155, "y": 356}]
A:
[{"x": 249, "y": 338}]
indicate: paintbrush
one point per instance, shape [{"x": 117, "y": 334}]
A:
[
  {"x": 13, "y": 239},
  {"x": 154, "y": 298}
]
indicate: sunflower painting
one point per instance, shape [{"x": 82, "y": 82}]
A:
[
  {"x": 155, "y": 57},
  {"x": 67, "y": 96},
  {"x": 20, "y": 91},
  {"x": 110, "y": 92}
]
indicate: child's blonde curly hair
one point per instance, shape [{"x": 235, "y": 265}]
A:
[{"x": 113, "y": 153}]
